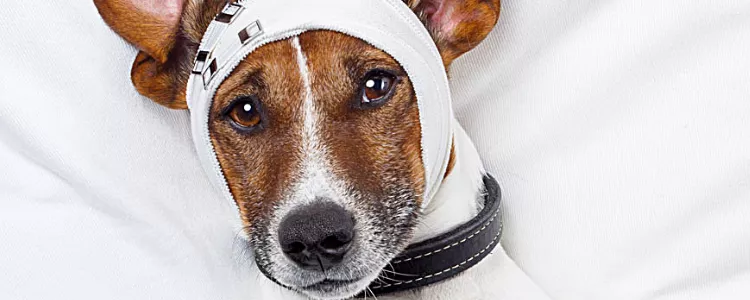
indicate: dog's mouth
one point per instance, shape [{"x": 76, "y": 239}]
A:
[
  {"x": 333, "y": 289},
  {"x": 329, "y": 283},
  {"x": 323, "y": 286},
  {"x": 343, "y": 281},
  {"x": 331, "y": 286}
]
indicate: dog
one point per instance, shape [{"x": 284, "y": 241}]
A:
[{"x": 322, "y": 128}]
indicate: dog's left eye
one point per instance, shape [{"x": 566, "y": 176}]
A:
[
  {"x": 244, "y": 113},
  {"x": 377, "y": 88}
]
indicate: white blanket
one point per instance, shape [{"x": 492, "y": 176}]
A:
[
  {"x": 101, "y": 195},
  {"x": 619, "y": 131}
]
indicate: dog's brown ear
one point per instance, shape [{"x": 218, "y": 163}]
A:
[
  {"x": 153, "y": 27},
  {"x": 457, "y": 26}
]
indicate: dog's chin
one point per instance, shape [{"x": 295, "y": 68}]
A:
[
  {"x": 321, "y": 287},
  {"x": 335, "y": 289}
]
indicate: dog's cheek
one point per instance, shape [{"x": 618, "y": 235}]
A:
[
  {"x": 395, "y": 219},
  {"x": 412, "y": 152},
  {"x": 406, "y": 192},
  {"x": 250, "y": 169},
  {"x": 260, "y": 166}
]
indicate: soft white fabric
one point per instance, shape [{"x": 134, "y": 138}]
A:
[
  {"x": 101, "y": 194},
  {"x": 620, "y": 133},
  {"x": 618, "y": 129},
  {"x": 388, "y": 25}
]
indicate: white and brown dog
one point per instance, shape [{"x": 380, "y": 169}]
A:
[{"x": 318, "y": 137}]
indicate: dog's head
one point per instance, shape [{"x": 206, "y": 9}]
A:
[{"x": 318, "y": 136}]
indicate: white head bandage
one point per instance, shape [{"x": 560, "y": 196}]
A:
[{"x": 388, "y": 25}]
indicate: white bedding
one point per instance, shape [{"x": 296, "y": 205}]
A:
[{"x": 620, "y": 132}]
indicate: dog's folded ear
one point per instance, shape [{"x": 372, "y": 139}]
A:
[
  {"x": 153, "y": 26},
  {"x": 457, "y": 26}
]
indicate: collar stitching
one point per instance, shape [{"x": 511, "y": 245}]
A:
[
  {"x": 451, "y": 245},
  {"x": 443, "y": 271}
]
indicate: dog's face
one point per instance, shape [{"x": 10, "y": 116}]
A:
[
  {"x": 319, "y": 139},
  {"x": 318, "y": 135}
]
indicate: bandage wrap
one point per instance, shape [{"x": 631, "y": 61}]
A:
[{"x": 388, "y": 25}]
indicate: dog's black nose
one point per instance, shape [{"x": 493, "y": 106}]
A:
[{"x": 317, "y": 236}]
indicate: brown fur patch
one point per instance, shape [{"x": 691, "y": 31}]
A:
[
  {"x": 365, "y": 144},
  {"x": 451, "y": 159},
  {"x": 457, "y": 26},
  {"x": 258, "y": 167},
  {"x": 168, "y": 45},
  {"x": 141, "y": 27}
]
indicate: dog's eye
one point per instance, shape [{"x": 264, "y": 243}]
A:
[
  {"x": 377, "y": 88},
  {"x": 244, "y": 112}
]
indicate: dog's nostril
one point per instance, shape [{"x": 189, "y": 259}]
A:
[
  {"x": 296, "y": 247},
  {"x": 334, "y": 243}
]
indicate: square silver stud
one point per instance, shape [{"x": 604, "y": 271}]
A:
[
  {"x": 229, "y": 13},
  {"x": 200, "y": 62},
  {"x": 250, "y": 32},
  {"x": 209, "y": 73}
]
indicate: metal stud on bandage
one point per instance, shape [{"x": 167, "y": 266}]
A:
[
  {"x": 229, "y": 13},
  {"x": 200, "y": 62},
  {"x": 250, "y": 32},
  {"x": 209, "y": 72},
  {"x": 207, "y": 62}
]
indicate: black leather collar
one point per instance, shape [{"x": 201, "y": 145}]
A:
[{"x": 449, "y": 254}]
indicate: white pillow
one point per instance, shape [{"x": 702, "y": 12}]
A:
[
  {"x": 101, "y": 194},
  {"x": 620, "y": 133}
]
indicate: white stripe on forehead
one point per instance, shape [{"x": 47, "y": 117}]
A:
[
  {"x": 315, "y": 176},
  {"x": 308, "y": 104}
]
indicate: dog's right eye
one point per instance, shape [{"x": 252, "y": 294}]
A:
[
  {"x": 377, "y": 87},
  {"x": 244, "y": 113}
]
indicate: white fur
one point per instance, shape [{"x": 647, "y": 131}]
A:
[
  {"x": 315, "y": 179},
  {"x": 459, "y": 197}
]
